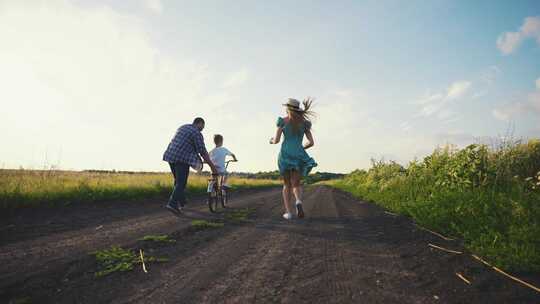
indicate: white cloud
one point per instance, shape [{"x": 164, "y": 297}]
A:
[
  {"x": 436, "y": 104},
  {"x": 405, "y": 126},
  {"x": 479, "y": 94},
  {"x": 491, "y": 74},
  {"x": 448, "y": 116},
  {"x": 531, "y": 27},
  {"x": 352, "y": 123},
  {"x": 509, "y": 111},
  {"x": 534, "y": 101},
  {"x": 429, "y": 98},
  {"x": 513, "y": 110},
  {"x": 508, "y": 42},
  {"x": 89, "y": 82},
  {"x": 458, "y": 89},
  {"x": 237, "y": 78},
  {"x": 156, "y": 6}
]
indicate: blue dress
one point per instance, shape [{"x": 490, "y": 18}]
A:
[{"x": 292, "y": 155}]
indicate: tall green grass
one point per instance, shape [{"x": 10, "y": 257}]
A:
[
  {"x": 23, "y": 188},
  {"x": 489, "y": 197}
]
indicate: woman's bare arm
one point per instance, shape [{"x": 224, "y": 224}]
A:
[
  {"x": 276, "y": 139},
  {"x": 310, "y": 142}
]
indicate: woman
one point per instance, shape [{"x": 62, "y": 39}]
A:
[{"x": 293, "y": 161}]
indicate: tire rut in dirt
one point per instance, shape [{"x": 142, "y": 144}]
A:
[
  {"x": 319, "y": 273},
  {"x": 259, "y": 275},
  {"x": 53, "y": 263},
  {"x": 208, "y": 274},
  {"x": 233, "y": 269}
]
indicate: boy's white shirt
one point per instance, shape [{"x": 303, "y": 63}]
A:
[{"x": 217, "y": 155}]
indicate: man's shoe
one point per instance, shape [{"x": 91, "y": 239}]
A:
[
  {"x": 287, "y": 216},
  {"x": 173, "y": 210},
  {"x": 299, "y": 210}
]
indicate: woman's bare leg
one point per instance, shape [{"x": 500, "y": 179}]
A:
[
  {"x": 287, "y": 192},
  {"x": 296, "y": 181},
  {"x": 296, "y": 185}
]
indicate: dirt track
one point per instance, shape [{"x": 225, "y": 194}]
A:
[{"x": 344, "y": 251}]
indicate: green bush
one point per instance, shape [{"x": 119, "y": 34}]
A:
[{"x": 489, "y": 197}]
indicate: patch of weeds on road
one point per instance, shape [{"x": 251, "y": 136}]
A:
[
  {"x": 117, "y": 259},
  {"x": 203, "y": 224},
  {"x": 158, "y": 239},
  {"x": 239, "y": 215}
]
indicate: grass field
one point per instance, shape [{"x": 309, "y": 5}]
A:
[
  {"x": 23, "y": 188},
  {"x": 488, "y": 197}
]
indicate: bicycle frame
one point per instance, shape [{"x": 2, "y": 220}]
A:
[{"x": 216, "y": 191}]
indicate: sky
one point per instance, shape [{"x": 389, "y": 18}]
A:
[{"x": 105, "y": 84}]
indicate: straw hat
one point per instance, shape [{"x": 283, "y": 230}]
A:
[{"x": 293, "y": 104}]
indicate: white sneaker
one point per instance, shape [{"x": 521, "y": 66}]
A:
[{"x": 287, "y": 216}]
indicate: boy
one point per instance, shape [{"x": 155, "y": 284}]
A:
[{"x": 218, "y": 154}]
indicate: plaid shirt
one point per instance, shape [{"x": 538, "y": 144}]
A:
[{"x": 186, "y": 146}]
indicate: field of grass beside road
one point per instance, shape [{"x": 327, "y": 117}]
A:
[
  {"x": 488, "y": 197},
  {"x": 24, "y": 188}
]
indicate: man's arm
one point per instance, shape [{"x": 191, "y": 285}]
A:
[
  {"x": 201, "y": 149},
  {"x": 207, "y": 159}
]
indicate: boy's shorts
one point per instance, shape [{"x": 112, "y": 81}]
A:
[{"x": 211, "y": 183}]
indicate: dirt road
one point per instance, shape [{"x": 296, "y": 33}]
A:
[{"x": 344, "y": 251}]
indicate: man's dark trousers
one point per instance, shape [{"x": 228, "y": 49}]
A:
[{"x": 180, "y": 172}]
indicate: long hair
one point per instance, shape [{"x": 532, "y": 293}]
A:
[{"x": 299, "y": 117}]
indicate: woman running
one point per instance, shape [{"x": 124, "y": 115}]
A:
[{"x": 293, "y": 161}]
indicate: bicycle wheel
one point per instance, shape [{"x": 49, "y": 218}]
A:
[
  {"x": 224, "y": 198},
  {"x": 212, "y": 201}
]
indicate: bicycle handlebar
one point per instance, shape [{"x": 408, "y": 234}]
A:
[
  {"x": 226, "y": 163},
  {"x": 229, "y": 161}
]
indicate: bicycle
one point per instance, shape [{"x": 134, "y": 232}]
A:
[{"x": 216, "y": 190}]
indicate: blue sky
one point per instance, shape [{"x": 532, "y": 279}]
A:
[{"x": 104, "y": 84}]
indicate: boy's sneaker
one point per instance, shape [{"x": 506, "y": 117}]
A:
[
  {"x": 299, "y": 210},
  {"x": 176, "y": 211},
  {"x": 287, "y": 216}
]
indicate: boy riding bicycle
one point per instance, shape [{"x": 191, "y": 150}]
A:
[{"x": 218, "y": 155}]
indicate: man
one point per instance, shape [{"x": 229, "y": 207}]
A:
[{"x": 185, "y": 150}]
